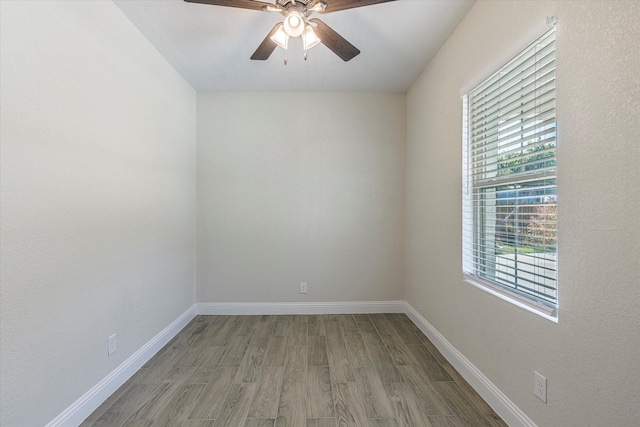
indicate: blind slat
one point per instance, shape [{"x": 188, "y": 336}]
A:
[
  {"x": 486, "y": 105},
  {"x": 524, "y": 107}
]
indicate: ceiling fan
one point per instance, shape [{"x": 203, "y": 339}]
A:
[{"x": 296, "y": 23}]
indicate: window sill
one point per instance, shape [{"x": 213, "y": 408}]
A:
[{"x": 514, "y": 298}]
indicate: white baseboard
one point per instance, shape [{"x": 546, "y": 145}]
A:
[
  {"x": 257, "y": 308},
  {"x": 500, "y": 403},
  {"x": 92, "y": 399}
]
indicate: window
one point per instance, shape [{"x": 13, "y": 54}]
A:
[{"x": 509, "y": 183}]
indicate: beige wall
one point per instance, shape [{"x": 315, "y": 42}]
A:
[
  {"x": 591, "y": 358},
  {"x": 300, "y": 187},
  {"x": 98, "y": 200}
]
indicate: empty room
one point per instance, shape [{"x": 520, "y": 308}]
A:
[{"x": 319, "y": 213}]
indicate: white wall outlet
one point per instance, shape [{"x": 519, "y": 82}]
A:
[
  {"x": 112, "y": 344},
  {"x": 540, "y": 386},
  {"x": 303, "y": 287}
]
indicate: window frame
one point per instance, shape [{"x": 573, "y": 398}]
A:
[{"x": 474, "y": 237}]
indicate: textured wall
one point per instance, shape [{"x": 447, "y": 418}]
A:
[
  {"x": 591, "y": 357},
  {"x": 297, "y": 187},
  {"x": 98, "y": 200}
]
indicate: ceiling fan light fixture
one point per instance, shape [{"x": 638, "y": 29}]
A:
[
  {"x": 294, "y": 23},
  {"x": 297, "y": 23},
  {"x": 309, "y": 38},
  {"x": 281, "y": 38}
]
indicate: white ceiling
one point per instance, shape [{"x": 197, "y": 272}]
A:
[{"x": 210, "y": 46}]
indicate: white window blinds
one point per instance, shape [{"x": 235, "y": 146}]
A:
[{"x": 510, "y": 203}]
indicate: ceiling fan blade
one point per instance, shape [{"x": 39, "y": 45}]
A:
[
  {"x": 336, "y": 5},
  {"x": 267, "y": 46},
  {"x": 334, "y": 41},
  {"x": 241, "y": 4}
]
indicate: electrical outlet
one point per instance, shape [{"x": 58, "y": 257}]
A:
[
  {"x": 112, "y": 344},
  {"x": 540, "y": 386},
  {"x": 303, "y": 287}
]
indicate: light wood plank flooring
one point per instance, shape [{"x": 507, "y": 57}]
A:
[{"x": 361, "y": 370}]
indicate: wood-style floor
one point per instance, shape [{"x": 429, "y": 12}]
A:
[{"x": 374, "y": 370}]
